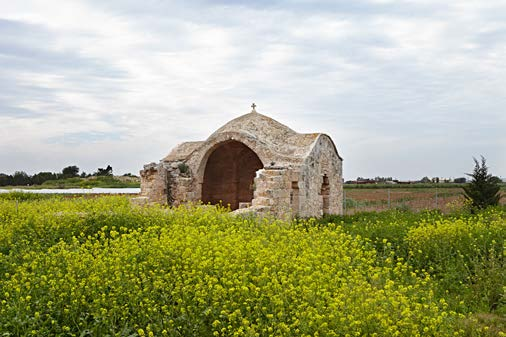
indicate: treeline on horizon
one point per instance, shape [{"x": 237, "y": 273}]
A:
[
  {"x": 390, "y": 180},
  {"x": 21, "y": 178},
  {"x": 424, "y": 181}
]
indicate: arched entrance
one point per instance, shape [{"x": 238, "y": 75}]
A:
[{"x": 229, "y": 174}]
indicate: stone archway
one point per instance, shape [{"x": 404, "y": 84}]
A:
[{"x": 229, "y": 173}]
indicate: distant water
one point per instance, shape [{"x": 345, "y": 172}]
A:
[{"x": 94, "y": 190}]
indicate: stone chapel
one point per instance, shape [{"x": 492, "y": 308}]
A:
[{"x": 252, "y": 163}]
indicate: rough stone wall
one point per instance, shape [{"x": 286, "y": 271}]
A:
[
  {"x": 321, "y": 162},
  {"x": 295, "y": 191},
  {"x": 164, "y": 183},
  {"x": 182, "y": 191},
  {"x": 154, "y": 183},
  {"x": 272, "y": 191},
  {"x": 179, "y": 182}
]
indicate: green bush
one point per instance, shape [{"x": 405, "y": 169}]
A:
[{"x": 484, "y": 189}]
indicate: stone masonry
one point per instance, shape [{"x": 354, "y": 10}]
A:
[{"x": 252, "y": 163}]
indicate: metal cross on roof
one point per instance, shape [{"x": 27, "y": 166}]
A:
[{"x": 253, "y": 106}]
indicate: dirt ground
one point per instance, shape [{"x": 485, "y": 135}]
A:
[{"x": 416, "y": 199}]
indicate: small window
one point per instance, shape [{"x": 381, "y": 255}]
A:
[{"x": 325, "y": 193}]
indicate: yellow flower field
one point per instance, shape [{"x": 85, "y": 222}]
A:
[{"x": 102, "y": 267}]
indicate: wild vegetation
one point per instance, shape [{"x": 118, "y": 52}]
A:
[
  {"x": 104, "y": 267},
  {"x": 69, "y": 177},
  {"x": 484, "y": 189},
  {"x": 89, "y": 182}
]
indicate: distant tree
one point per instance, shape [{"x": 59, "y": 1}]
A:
[
  {"x": 5, "y": 179},
  {"x": 21, "y": 178},
  {"x": 382, "y": 179},
  {"x": 496, "y": 180},
  {"x": 104, "y": 172},
  {"x": 41, "y": 177},
  {"x": 70, "y": 171},
  {"x": 483, "y": 190},
  {"x": 461, "y": 180},
  {"x": 425, "y": 180},
  {"x": 83, "y": 174}
]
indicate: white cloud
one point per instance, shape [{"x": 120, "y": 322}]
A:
[{"x": 380, "y": 77}]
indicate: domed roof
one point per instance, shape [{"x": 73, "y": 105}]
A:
[
  {"x": 284, "y": 143},
  {"x": 280, "y": 138},
  {"x": 256, "y": 124}
]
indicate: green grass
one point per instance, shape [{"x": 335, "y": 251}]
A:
[
  {"x": 105, "y": 182},
  {"x": 77, "y": 182}
]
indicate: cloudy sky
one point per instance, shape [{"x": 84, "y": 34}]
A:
[{"x": 405, "y": 88}]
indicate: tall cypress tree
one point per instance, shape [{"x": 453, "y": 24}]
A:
[{"x": 483, "y": 190}]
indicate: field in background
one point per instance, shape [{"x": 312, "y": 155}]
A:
[
  {"x": 88, "y": 182},
  {"x": 416, "y": 199}
]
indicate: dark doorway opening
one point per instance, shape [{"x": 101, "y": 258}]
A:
[{"x": 229, "y": 174}]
